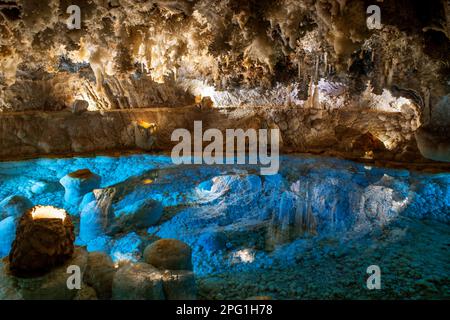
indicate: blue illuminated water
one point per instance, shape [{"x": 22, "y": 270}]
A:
[{"x": 309, "y": 232}]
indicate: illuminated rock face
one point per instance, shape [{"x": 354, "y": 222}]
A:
[
  {"x": 124, "y": 47},
  {"x": 169, "y": 254},
  {"x": 138, "y": 281},
  {"x": 44, "y": 239},
  {"x": 306, "y": 54},
  {"x": 78, "y": 184}
]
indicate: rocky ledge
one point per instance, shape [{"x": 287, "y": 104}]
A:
[{"x": 358, "y": 134}]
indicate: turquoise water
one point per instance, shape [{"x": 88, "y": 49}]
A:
[{"x": 309, "y": 232}]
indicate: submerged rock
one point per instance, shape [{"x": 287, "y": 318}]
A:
[
  {"x": 230, "y": 185},
  {"x": 141, "y": 214},
  {"x": 212, "y": 241},
  {"x": 138, "y": 281},
  {"x": 377, "y": 207},
  {"x": 169, "y": 254},
  {"x": 87, "y": 198},
  {"x": 14, "y": 206},
  {"x": 97, "y": 216},
  {"x": 79, "y": 183},
  {"x": 40, "y": 187},
  {"x": 127, "y": 248},
  {"x": 287, "y": 212},
  {"x": 92, "y": 224},
  {"x": 7, "y": 235},
  {"x": 102, "y": 243}
]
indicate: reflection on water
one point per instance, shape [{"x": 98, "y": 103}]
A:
[{"x": 308, "y": 232}]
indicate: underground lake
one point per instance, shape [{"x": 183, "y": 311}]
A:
[{"x": 309, "y": 232}]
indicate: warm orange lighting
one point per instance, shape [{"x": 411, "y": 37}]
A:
[
  {"x": 368, "y": 155},
  {"x": 146, "y": 125},
  {"x": 147, "y": 181},
  {"x": 48, "y": 212}
]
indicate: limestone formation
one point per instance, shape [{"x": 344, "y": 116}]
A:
[
  {"x": 179, "y": 285},
  {"x": 14, "y": 206},
  {"x": 79, "y": 183},
  {"x": 212, "y": 241},
  {"x": 143, "y": 132},
  {"x": 169, "y": 254},
  {"x": 140, "y": 214},
  {"x": 99, "y": 274},
  {"x": 7, "y": 235},
  {"x": 366, "y": 81},
  {"x": 51, "y": 286},
  {"x": 42, "y": 242},
  {"x": 97, "y": 216},
  {"x": 138, "y": 281},
  {"x": 80, "y": 106}
]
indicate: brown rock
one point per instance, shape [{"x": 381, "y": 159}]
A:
[
  {"x": 86, "y": 293},
  {"x": 41, "y": 244},
  {"x": 170, "y": 254},
  {"x": 51, "y": 286},
  {"x": 179, "y": 285},
  {"x": 138, "y": 281},
  {"x": 99, "y": 274}
]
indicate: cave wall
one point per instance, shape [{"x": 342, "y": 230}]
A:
[
  {"x": 307, "y": 54},
  {"x": 349, "y": 133}
]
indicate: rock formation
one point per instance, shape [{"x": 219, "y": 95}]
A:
[
  {"x": 77, "y": 184},
  {"x": 43, "y": 241},
  {"x": 318, "y": 59}
]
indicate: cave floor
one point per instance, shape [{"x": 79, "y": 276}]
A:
[{"x": 309, "y": 232}]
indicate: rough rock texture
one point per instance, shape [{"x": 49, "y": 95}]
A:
[
  {"x": 7, "y": 235},
  {"x": 351, "y": 132},
  {"x": 435, "y": 147},
  {"x": 51, "y": 286},
  {"x": 14, "y": 206},
  {"x": 77, "y": 184},
  {"x": 99, "y": 274},
  {"x": 141, "y": 214},
  {"x": 80, "y": 106},
  {"x": 138, "y": 281},
  {"x": 179, "y": 285},
  {"x": 212, "y": 241},
  {"x": 86, "y": 293},
  {"x": 65, "y": 133},
  {"x": 170, "y": 254},
  {"x": 269, "y": 53},
  {"x": 40, "y": 245},
  {"x": 96, "y": 217},
  {"x": 122, "y": 45}
]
